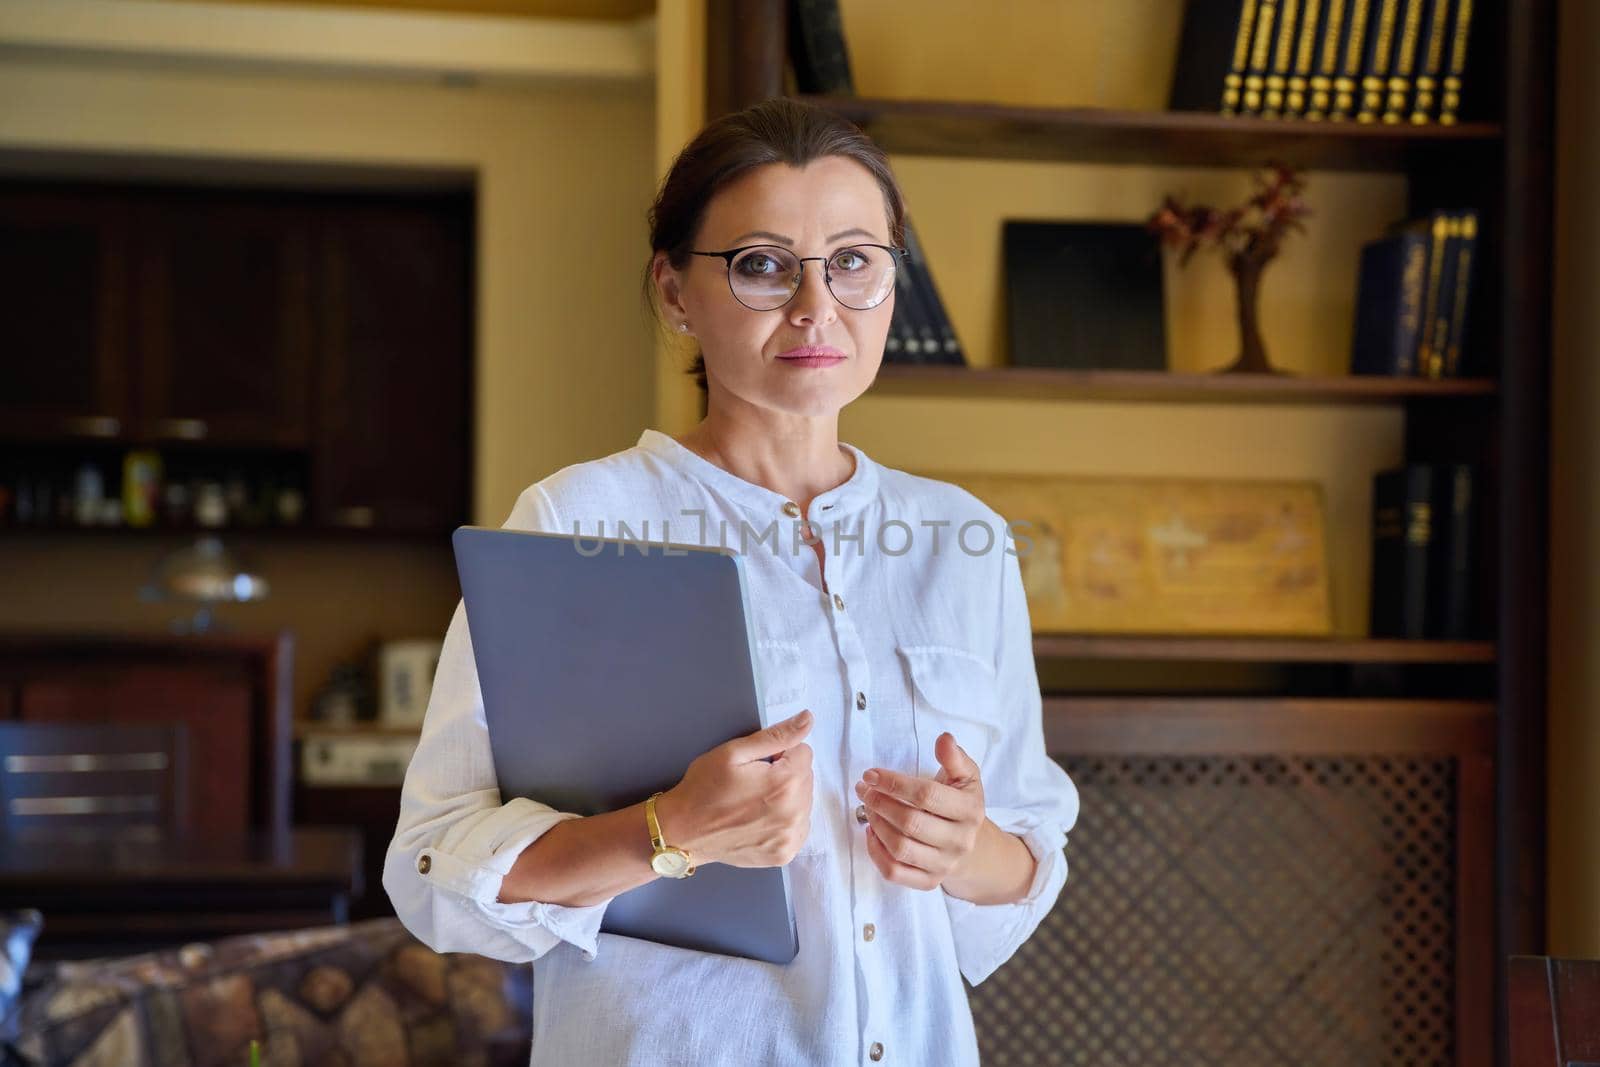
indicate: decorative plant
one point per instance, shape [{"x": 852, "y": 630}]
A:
[{"x": 1249, "y": 236}]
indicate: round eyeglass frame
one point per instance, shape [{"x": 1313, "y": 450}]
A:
[{"x": 727, "y": 256}]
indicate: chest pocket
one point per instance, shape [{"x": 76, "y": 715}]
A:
[{"x": 952, "y": 690}]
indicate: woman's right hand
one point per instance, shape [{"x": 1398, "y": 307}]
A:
[{"x": 734, "y": 807}]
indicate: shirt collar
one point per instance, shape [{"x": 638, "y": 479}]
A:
[{"x": 854, "y": 493}]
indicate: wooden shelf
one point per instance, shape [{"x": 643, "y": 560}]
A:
[
  {"x": 1259, "y": 649},
  {"x": 306, "y": 727},
  {"x": 1052, "y": 383},
  {"x": 1165, "y": 138}
]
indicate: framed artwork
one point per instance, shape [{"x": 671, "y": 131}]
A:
[{"x": 1130, "y": 556}]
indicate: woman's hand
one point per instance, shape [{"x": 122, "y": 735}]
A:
[
  {"x": 734, "y": 807},
  {"x": 921, "y": 831}
]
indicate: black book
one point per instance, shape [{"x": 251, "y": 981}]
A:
[
  {"x": 1281, "y": 62},
  {"x": 1213, "y": 49},
  {"x": 1430, "y": 62},
  {"x": 1352, "y": 56},
  {"x": 1373, "y": 91},
  {"x": 1389, "y": 295},
  {"x": 901, "y": 328},
  {"x": 1297, "y": 94},
  {"x": 1459, "y": 313},
  {"x": 1407, "y": 50},
  {"x": 817, "y": 49},
  {"x": 1255, "y": 74},
  {"x": 1086, "y": 295},
  {"x": 947, "y": 347},
  {"x": 1402, "y": 541},
  {"x": 1450, "y": 583},
  {"x": 1455, "y": 63}
]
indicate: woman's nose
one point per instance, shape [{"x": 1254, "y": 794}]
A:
[{"x": 813, "y": 302}]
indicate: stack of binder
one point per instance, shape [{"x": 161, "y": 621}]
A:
[{"x": 1387, "y": 61}]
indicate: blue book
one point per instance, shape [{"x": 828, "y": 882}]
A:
[{"x": 1389, "y": 305}]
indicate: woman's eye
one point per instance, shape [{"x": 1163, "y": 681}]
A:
[
  {"x": 849, "y": 260},
  {"x": 758, "y": 264}
]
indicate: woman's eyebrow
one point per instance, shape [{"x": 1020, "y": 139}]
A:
[{"x": 768, "y": 235}]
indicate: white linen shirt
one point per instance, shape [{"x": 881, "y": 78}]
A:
[{"x": 903, "y": 635}]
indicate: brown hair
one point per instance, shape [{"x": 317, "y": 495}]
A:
[{"x": 774, "y": 131}]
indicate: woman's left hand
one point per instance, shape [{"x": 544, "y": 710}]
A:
[{"x": 920, "y": 831}]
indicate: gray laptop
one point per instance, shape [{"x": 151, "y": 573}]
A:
[{"x": 607, "y": 665}]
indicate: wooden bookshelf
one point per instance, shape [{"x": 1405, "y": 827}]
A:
[
  {"x": 1487, "y": 719},
  {"x": 1259, "y": 649},
  {"x": 970, "y": 130},
  {"x": 1051, "y": 383}
]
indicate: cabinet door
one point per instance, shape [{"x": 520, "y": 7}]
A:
[
  {"x": 63, "y": 268},
  {"x": 225, "y": 320},
  {"x": 394, "y": 364},
  {"x": 214, "y": 706}
]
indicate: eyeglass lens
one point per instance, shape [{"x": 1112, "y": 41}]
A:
[{"x": 765, "y": 277}]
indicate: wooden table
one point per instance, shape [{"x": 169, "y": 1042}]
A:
[{"x": 106, "y": 895}]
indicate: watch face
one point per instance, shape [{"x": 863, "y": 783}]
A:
[{"x": 669, "y": 864}]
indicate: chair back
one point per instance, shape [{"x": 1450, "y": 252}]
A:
[{"x": 60, "y": 780}]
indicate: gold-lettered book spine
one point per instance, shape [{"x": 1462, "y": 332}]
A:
[
  {"x": 1344, "y": 84},
  {"x": 1260, "y": 48},
  {"x": 1427, "y": 99},
  {"x": 1405, "y": 64},
  {"x": 1441, "y": 326},
  {"x": 1375, "y": 79},
  {"x": 1327, "y": 65},
  {"x": 1294, "y": 103},
  {"x": 1469, "y": 233},
  {"x": 1450, "y": 99},
  {"x": 1277, "y": 77},
  {"x": 1438, "y": 232},
  {"x": 1233, "y": 82}
]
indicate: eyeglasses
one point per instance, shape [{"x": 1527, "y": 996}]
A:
[{"x": 766, "y": 277}]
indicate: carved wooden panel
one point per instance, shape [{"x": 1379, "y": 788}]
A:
[{"x": 1242, "y": 910}]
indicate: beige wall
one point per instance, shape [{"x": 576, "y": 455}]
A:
[
  {"x": 563, "y": 362},
  {"x": 1574, "y": 739}
]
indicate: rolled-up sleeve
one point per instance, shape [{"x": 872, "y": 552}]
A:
[
  {"x": 1027, "y": 793},
  {"x": 456, "y": 839}
]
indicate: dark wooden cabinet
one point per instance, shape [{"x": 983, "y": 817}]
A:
[
  {"x": 64, "y": 335},
  {"x": 224, "y": 292},
  {"x": 391, "y": 383},
  {"x": 331, "y": 330}
]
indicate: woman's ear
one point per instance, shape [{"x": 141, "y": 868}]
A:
[{"x": 669, "y": 288}]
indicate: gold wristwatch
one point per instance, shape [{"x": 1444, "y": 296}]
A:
[{"x": 667, "y": 860}]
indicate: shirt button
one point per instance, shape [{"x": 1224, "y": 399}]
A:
[
  {"x": 861, "y": 813},
  {"x": 868, "y": 932},
  {"x": 838, "y": 601},
  {"x": 425, "y": 864},
  {"x": 861, "y": 702},
  {"x": 791, "y": 509},
  {"x": 876, "y": 1052}
]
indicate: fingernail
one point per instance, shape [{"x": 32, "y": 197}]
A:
[{"x": 871, "y": 777}]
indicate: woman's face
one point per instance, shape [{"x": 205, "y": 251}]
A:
[{"x": 816, "y": 210}]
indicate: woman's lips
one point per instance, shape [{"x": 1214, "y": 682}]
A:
[{"x": 812, "y": 356}]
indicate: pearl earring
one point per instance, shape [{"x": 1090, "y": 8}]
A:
[{"x": 684, "y": 326}]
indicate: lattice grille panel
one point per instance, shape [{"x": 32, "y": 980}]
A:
[{"x": 1241, "y": 911}]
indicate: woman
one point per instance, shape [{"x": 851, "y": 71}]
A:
[{"x": 911, "y": 795}]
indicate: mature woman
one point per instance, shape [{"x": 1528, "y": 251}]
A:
[{"x": 910, "y": 795}]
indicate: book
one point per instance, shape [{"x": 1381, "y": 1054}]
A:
[
  {"x": 1437, "y": 227},
  {"x": 1213, "y": 50},
  {"x": 1374, "y": 84},
  {"x": 1352, "y": 54},
  {"x": 1086, "y": 295},
  {"x": 948, "y": 349},
  {"x": 1450, "y": 576},
  {"x": 1389, "y": 295},
  {"x": 1456, "y": 338},
  {"x": 1438, "y": 334},
  {"x": 1402, "y": 77},
  {"x": 1282, "y": 58},
  {"x": 1255, "y": 78},
  {"x": 1402, "y": 541},
  {"x": 901, "y": 328},
  {"x": 1296, "y": 93},
  {"x": 1327, "y": 66},
  {"x": 817, "y": 48},
  {"x": 1455, "y": 64},
  {"x": 1430, "y": 68}
]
